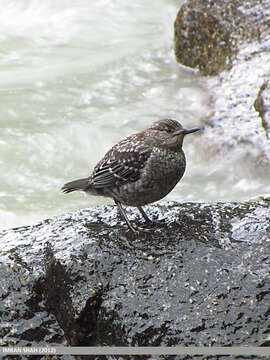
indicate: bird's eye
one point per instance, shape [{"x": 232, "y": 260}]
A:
[{"x": 164, "y": 128}]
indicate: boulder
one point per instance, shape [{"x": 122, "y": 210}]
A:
[
  {"x": 231, "y": 39},
  {"x": 209, "y": 34},
  {"x": 83, "y": 279}
]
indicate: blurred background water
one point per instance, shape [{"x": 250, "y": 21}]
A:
[{"x": 78, "y": 76}]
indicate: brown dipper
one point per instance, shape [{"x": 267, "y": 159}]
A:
[{"x": 140, "y": 169}]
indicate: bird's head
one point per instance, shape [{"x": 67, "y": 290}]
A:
[{"x": 168, "y": 133}]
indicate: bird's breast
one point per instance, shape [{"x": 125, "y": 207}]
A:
[
  {"x": 166, "y": 167},
  {"x": 161, "y": 173}
]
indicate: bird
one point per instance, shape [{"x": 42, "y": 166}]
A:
[{"x": 139, "y": 170}]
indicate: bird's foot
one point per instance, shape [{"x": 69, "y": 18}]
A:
[
  {"x": 154, "y": 223},
  {"x": 148, "y": 222},
  {"x": 147, "y": 227},
  {"x": 143, "y": 228}
]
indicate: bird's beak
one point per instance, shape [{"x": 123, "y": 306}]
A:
[
  {"x": 184, "y": 131},
  {"x": 191, "y": 131}
]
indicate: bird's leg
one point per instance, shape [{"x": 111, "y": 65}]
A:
[
  {"x": 146, "y": 218},
  {"x": 124, "y": 216},
  {"x": 148, "y": 221}
]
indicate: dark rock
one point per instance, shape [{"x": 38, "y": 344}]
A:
[
  {"x": 262, "y": 105},
  {"x": 209, "y": 33},
  {"x": 83, "y": 279},
  {"x": 215, "y": 36}
]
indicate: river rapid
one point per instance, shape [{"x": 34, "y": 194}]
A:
[{"x": 77, "y": 77}]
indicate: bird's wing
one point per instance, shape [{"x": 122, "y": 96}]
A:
[{"x": 122, "y": 167}]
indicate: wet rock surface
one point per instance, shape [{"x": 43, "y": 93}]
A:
[
  {"x": 83, "y": 279},
  {"x": 231, "y": 39}
]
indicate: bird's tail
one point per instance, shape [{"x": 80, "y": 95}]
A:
[{"x": 80, "y": 184}]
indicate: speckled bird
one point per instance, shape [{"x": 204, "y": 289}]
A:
[{"x": 139, "y": 170}]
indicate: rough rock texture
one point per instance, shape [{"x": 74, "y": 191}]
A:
[
  {"x": 262, "y": 105},
  {"x": 232, "y": 39},
  {"x": 208, "y": 33},
  {"x": 83, "y": 279}
]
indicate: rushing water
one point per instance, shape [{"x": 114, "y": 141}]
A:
[{"x": 75, "y": 78}]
